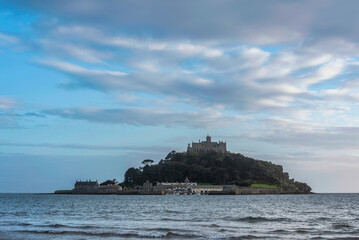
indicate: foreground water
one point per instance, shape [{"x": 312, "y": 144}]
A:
[{"x": 318, "y": 216}]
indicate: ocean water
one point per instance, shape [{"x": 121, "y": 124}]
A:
[{"x": 316, "y": 216}]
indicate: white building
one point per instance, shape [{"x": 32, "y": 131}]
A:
[
  {"x": 205, "y": 189},
  {"x": 166, "y": 185}
]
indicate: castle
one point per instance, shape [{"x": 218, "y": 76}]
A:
[{"x": 208, "y": 146}]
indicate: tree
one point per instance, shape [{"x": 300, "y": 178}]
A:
[
  {"x": 170, "y": 155},
  {"x": 147, "y": 162},
  {"x": 109, "y": 182},
  {"x": 211, "y": 167},
  {"x": 133, "y": 177}
]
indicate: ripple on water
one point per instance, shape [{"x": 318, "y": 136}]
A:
[{"x": 179, "y": 217}]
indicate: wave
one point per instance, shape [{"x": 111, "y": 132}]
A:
[
  {"x": 244, "y": 237},
  {"x": 341, "y": 226},
  {"x": 251, "y": 219},
  {"x": 184, "y": 220},
  {"x": 340, "y": 238},
  {"x": 13, "y": 223},
  {"x": 112, "y": 234},
  {"x": 23, "y": 224},
  {"x": 171, "y": 211},
  {"x": 56, "y": 225},
  {"x": 159, "y": 229},
  {"x": 21, "y": 214},
  {"x": 279, "y": 231},
  {"x": 322, "y": 219},
  {"x": 302, "y": 231}
]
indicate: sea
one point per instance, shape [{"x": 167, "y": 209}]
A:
[{"x": 313, "y": 216}]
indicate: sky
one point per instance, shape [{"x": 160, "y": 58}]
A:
[{"x": 90, "y": 88}]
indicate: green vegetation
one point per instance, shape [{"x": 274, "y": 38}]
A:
[
  {"x": 108, "y": 182},
  {"x": 147, "y": 161},
  {"x": 258, "y": 185},
  {"x": 214, "y": 168},
  {"x": 204, "y": 184}
]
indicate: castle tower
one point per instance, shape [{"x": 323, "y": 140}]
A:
[{"x": 207, "y": 146}]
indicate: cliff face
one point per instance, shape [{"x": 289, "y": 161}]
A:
[
  {"x": 215, "y": 168},
  {"x": 296, "y": 187}
]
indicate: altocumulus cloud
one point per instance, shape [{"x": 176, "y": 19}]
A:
[
  {"x": 237, "y": 55},
  {"x": 208, "y": 52}
]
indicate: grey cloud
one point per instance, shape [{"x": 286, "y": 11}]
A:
[
  {"x": 260, "y": 21},
  {"x": 296, "y": 140},
  {"x": 83, "y": 53},
  {"x": 241, "y": 82},
  {"x": 177, "y": 83},
  {"x": 248, "y": 79},
  {"x": 32, "y": 114},
  {"x": 8, "y": 39},
  {"x": 310, "y": 136},
  {"x": 8, "y": 122},
  {"x": 11, "y": 114},
  {"x": 154, "y": 148},
  {"x": 7, "y": 103},
  {"x": 12, "y": 120},
  {"x": 231, "y": 90},
  {"x": 142, "y": 116}
]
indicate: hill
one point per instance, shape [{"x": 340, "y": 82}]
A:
[{"x": 214, "y": 168}]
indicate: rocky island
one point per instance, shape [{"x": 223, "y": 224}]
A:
[{"x": 210, "y": 167}]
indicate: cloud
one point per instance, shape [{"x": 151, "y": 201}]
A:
[
  {"x": 31, "y": 114},
  {"x": 325, "y": 72},
  {"x": 153, "y": 148},
  {"x": 148, "y": 117},
  {"x": 258, "y": 21},
  {"x": 7, "y": 103},
  {"x": 96, "y": 79},
  {"x": 8, "y": 39},
  {"x": 182, "y": 47},
  {"x": 10, "y": 117},
  {"x": 225, "y": 62},
  {"x": 8, "y": 122},
  {"x": 301, "y": 135},
  {"x": 251, "y": 80},
  {"x": 12, "y": 120},
  {"x": 82, "y": 53}
]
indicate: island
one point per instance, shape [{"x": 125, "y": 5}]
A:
[{"x": 205, "y": 168}]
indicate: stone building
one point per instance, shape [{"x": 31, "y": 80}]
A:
[
  {"x": 85, "y": 185},
  {"x": 108, "y": 188},
  {"x": 147, "y": 186},
  {"x": 92, "y": 187},
  {"x": 207, "y": 146}
]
